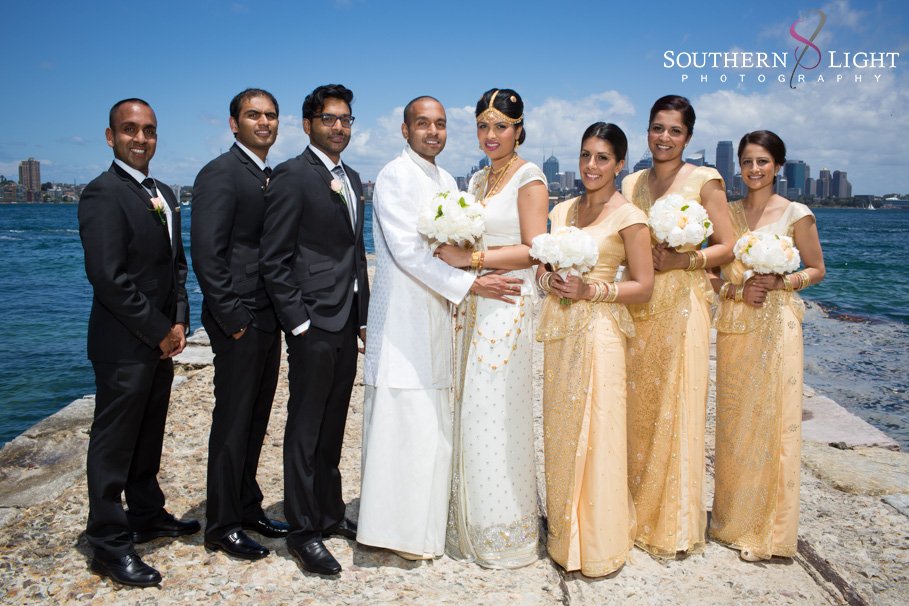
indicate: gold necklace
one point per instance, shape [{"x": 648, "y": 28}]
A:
[{"x": 495, "y": 186}]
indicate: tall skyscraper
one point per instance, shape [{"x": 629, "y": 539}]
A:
[
  {"x": 840, "y": 186},
  {"x": 725, "y": 163},
  {"x": 551, "y": 169},
  {"x": 823, "y": 184},
  {"x": 797, "y": 173},
  {"x": 30, "y": 179}
]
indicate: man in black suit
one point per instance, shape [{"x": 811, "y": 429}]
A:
[
  {"x": 314, "y": 265},
  {"x": 130, "y": 229},
  {"x": 228, "y": 210}
]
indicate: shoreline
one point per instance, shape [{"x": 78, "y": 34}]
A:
[{"x": 853, "y": 536}]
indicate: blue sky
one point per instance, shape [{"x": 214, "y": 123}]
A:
[{"x": 65, "y": 63}]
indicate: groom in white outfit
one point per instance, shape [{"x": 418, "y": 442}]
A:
[{"x": 407, "y": 418}]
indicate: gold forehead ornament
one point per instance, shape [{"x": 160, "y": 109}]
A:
[{"x": 493, "y": 115}]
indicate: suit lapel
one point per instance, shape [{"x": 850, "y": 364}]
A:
[
  {"x": 145, "y": 198},
  {"x": 249, "y": 165},
  {"x": 336, "y": 199}
]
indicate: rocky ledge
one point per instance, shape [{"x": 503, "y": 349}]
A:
[{"x": 853, "y": 537}]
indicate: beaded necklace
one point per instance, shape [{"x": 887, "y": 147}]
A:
[{"x": 495, "y": 186}]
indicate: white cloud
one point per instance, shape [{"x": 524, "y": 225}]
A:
[{"x": 856, "y": 127}]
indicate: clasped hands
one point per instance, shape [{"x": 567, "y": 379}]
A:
[
  {"x": 756, "y": 288},
  {"x": 173, "y": 342},
  {"x": 572, "y": 287},
  {"x": 492, "y": 285}
]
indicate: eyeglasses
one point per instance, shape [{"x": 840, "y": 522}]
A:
[{"x": 330, "y": 119}]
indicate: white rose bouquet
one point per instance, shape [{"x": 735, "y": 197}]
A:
[
  {"x": 570, "y": 251},
  {"x": 453, "y": 217},
  {"x": 766, "y": 253},
  {"x": 678, "y": 221}
]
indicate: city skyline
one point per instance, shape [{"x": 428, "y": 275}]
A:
[{"x": 393, "y": 51}]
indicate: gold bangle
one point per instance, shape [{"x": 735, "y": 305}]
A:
[
  {"x": 482, "y": 261},
  {"x": 543, "y": 282},
  {"x": 724, "y": 290},
  {"x": 702, "y": 258},
  {"x": 804, "y": 279},
  {"x": 597, "y": 291},
  {"x": 692, "y": 260},
  {"x": 739, "y": 295},
  {"x": 787, "y": 283},
  {"x": 474, "y": 259}
]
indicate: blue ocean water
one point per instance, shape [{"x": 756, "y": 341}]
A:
[{"x": 856, "y": 337}]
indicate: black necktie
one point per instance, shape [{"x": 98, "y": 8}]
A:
[
  {"x": 267, "y": 171},
  {"x": 149, "y": 183}
]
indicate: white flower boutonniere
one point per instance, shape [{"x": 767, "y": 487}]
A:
[
  {"x": 158, "y": 208},
  {"x": 338, "y": 187}
]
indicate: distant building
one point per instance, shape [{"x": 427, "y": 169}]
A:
[
  {"x": 782, "y": 185},
  {"x": 551, "y": 169},
  {"x": 840, "y": 186},
  {"x": 368, "y": 188},
  {"x": 810, "y": 187},
  {"x": 645, "y": 162},
  {"x": 462, "y": 182},
  {"x": 797, "y": 173},
  {"x": 622, "y": 174},
  {"x": 725, "y": 163},
  {"x": 566, "y": 180},
  {"x": 822, "y": 187},
  {"x": 697, "y": 158},
  {"x": 30, "y": 179},
  {"x": 738, "y": 186}
]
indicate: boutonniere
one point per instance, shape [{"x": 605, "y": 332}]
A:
[
  {"x": 338, "y": 187},
  {"x": 158, "y": 208}
]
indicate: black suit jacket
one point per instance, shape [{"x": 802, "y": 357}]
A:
[
  {"x": 228, "y": 215},
  {"x": 310, "y": 254},
  {"x": 138, "y": 277}
]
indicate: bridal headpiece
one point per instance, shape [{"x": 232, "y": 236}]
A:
[{"x": 492, "y": 114}]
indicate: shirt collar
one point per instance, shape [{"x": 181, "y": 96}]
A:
[
  {"x": 325, "y": 159},
  {"x": 428, "y": 167},
  {"x": 132, "y": 172},
  {"x": 256, "y": 159}
]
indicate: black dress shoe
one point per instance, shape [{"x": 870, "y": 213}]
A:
[
  {"x": 127, "y": 570},
  {"x": 274, "y": 529},
  {"x": 314, "y": 557},
  {"x": 166, "y": 526},
  {"x": 239, "y": 545},
  {"x": 345, "y": 528}
]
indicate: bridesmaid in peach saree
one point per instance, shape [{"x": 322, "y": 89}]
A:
[
  {"x": 759, "y": 368},
  {"x": 591, "y": 516},
  {"x": 668, "y": 357}
]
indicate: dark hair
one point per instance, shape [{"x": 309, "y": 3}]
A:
[
  {"x": 611, "y": 134},
  {"x": 247, "y": 94},
  {"x": 509, "y": 103},
  {"x": 675, "y": 103},
  {"x": 769, "y": 141},
  {"x": 116, "y": 106},
  {"x": 410, "y": 105},
  {"x": 315, "y": 100}
]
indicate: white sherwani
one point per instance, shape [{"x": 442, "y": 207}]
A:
[{"x": 407, "y": 451}]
